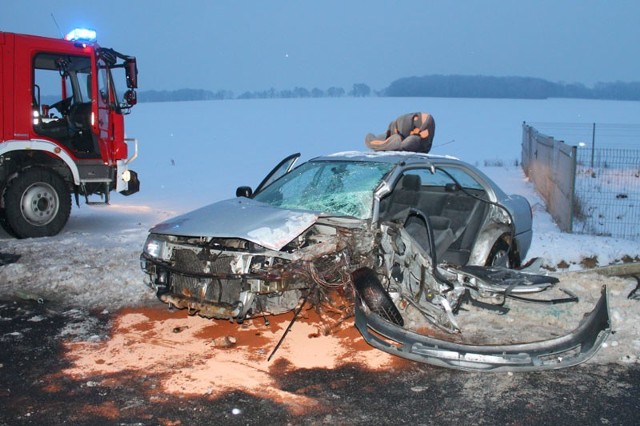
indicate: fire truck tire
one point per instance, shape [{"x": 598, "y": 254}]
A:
[
  {"x": 3, "y": 218},
  {"x": 370, "y": 290},
  {"x": 5, "y": 226},
  {"x": 37, "y": 204}
]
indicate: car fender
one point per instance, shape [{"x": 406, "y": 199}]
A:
[{"x": 485, "y": 242}]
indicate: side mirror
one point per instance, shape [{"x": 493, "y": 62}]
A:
[
  {"x": 244, "y": 191},
  {"x": 130, "y": 97},
  {"x": 131, "y": 71}
]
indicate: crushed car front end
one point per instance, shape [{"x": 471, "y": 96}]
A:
[
  {"x": 236, "y": 279},
  {"x": 256, "y": 255},
  {"x": 220, "y": 279}
]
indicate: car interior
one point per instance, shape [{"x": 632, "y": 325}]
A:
[{"x": 454, "y": 214}]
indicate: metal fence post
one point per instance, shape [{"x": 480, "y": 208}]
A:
[
  {"x": 574, "y": 166},
  {"x": 593, "y": 143}
]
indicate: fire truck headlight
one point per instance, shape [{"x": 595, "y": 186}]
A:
[{"x": 126, "y": 176}]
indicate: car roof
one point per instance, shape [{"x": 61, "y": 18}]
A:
[
  {"x": 408, "y": 160},
  {"x": 392, "y": 157}
]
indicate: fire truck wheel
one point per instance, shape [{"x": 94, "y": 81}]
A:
[
  {"x": 5, "y": 226},
  {"x": 3, "y": 217},
  {"x": 37, "y": 203}
]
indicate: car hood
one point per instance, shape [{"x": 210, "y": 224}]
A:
[{"x": 244, "y": 218}]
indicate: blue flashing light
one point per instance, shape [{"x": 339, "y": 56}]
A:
[{"x": 82, "y": 34}]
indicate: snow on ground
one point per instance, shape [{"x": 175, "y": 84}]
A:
[{"x": 194, "y": 153}]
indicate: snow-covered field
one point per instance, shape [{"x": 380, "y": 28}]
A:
[{"x": 194, "y": 153}]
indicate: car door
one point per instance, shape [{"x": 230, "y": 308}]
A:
[{"x": 283, "y": 167}]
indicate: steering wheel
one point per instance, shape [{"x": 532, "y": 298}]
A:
[{"x": 63, "y": 105}]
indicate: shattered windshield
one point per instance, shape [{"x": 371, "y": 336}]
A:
[{"x": 340, "y": 188}]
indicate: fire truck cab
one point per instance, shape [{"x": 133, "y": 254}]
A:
[{"x": 61, "y": 128}]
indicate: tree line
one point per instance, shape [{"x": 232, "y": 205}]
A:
[
  {"x": 358, "y": 90},
  {"x": 445, "y": 86},
  {"x": 461, "y": 86}
]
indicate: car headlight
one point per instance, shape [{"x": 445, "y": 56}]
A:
[{"x": 154, "y": 246}]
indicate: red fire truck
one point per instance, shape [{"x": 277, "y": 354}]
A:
[{"x": 61, "y": 128}]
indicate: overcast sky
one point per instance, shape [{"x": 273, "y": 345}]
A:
[{"x": 258, "y": 44}]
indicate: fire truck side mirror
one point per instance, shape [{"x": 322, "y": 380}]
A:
[
  {"x": 131, "y": 70},
  {"x": 130, "y": 97}
]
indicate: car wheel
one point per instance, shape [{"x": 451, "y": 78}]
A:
[
  {"x": 373, "y": 295},
  {"x": 37, "y": 204},
  {"x": 500, "y": 255}
]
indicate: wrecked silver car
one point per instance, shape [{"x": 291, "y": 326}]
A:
[{"x": 394, "y": 233}]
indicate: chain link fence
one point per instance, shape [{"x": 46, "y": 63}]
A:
[{"x": 600, "y": 162}]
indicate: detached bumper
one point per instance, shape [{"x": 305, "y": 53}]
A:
[{"x": 560, "y": 352}]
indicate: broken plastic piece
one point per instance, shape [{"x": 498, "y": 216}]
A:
[{"x": 559, "y": 352}]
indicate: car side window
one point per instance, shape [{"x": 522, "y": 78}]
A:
[
  {"x": 427, "y": 178},
  {"x": 446, "y": 175},
  {"x": 461, "y": 176}
]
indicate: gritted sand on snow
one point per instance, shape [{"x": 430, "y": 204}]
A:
[{"x": 193, "y": 355}]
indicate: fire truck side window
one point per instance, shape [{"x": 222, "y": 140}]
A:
[
  {"x": 84, "y": 86},
  {"x": 62, "y": 101},
  {"x": 60, "y": 81},
  {"x": 50, "y": 93},
  {"x": 105, "y": 85}
]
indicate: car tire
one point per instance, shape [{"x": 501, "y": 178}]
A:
[
  {"x": 37, "y": 204},
  {"x": 500, "y": 255},
  {"x": 371, "y": 292}
]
